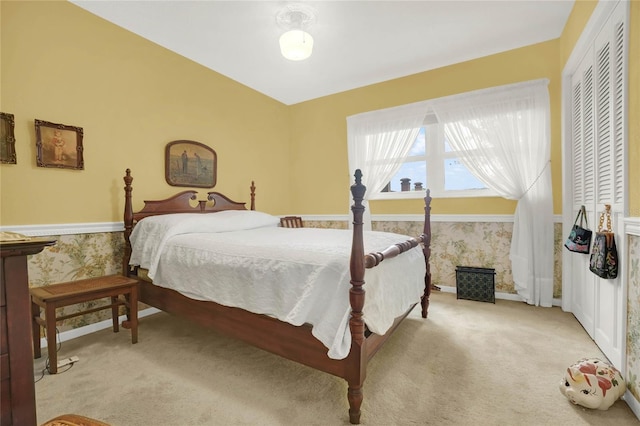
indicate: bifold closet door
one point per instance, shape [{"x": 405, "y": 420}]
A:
[{"x": 598, "y": 151}]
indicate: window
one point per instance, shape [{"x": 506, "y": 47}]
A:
[{"x": 433, "y": 164}]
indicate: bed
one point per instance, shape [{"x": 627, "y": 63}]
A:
[{"x": 325, "y": 324}]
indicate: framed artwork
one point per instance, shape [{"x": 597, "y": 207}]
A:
[
  {"x": 189, "y": 163},
  {"x": 59, "y": 145},
  {"x": 7, "y": 139}
]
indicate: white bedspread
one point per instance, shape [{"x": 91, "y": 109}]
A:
[{"x": 296, "y": 275}]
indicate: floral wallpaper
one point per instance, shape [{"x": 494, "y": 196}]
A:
[
  {"x": 475, "y": 244},
  {"x": 633, "y": 318},
  {"x": 479, "y": 244},
  {"x": 75, "y": 257}
]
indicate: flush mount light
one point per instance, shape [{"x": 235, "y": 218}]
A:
[{"x": 296, "y": 43}]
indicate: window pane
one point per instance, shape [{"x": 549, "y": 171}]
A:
[
  {"x": 458, "y": 177},
  {"x": 415, "y": 171}
]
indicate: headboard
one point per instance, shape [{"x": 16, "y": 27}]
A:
[{"x": 178, "y": 203}]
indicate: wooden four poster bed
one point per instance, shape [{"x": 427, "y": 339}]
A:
[{"x": 294, "y": 342}]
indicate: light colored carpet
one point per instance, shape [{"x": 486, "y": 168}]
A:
[{"x": 469, "y": 363}]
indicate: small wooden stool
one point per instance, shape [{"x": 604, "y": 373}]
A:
[{"x": 55, "y": 296}]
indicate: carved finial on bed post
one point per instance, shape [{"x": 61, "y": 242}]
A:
[
  {"x": 356, "y": 298},
  {"x": 253, "y": 195},
  {"x": 426, "y": 250},
  {"x": 128, "y": 222}
]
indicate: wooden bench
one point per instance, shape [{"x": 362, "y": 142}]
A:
[{"x": 54, "y": 296}]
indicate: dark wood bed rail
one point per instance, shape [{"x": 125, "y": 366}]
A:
[{"x": 373, "y": 259}]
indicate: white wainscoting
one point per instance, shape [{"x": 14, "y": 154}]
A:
[{"x": 65, "y": 229}]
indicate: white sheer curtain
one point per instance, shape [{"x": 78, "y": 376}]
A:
[
  {"x": 378, "y": 143},
  {"x": 505, "y": 132}
]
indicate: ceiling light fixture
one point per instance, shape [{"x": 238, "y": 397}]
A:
[{"x": 296, "y": 43}]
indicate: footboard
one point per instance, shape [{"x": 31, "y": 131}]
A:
[{"x": 361, "y": 349}]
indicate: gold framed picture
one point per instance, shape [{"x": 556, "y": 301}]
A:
[
  {"x": 190, "y": 163},
  {"x": 59, "y": 145},
  {"x": 7, "y": 139}
]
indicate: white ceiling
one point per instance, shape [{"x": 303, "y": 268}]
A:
[{"x": 356, "y": 43}]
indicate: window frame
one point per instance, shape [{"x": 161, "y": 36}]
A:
[{"x": 435, "y": 169}]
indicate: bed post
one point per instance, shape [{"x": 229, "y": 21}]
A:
[
  {"x": 128, "y": 222},
  {"x": 253, "y": 195},
  {"x": 357, "y": 361},
  {"x": 426, "y": 249}
]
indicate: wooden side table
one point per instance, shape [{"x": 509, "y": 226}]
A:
[
  {"x": 17, "y": 390},
  {"x": 54, "y": 296}
]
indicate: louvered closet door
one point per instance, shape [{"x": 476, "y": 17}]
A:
[
  {"x": 598, "y": 150},
  {"x": 583, "y": 282}
]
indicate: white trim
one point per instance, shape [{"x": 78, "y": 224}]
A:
[
  {"x": 323, "y": 217},
  {"x": 632, "y": 402},
  {"x": 413, "y": 194},
  {"x": 91, "y": 328},
  {"x": 632, "y": 226},
  {"x": 65, "y": 228},
  {"x": 599, "y": 16},
  {"x": 463, "y": 218},
  {"x": 442, "y": 218},
  {"x": 96, "y": 228}
]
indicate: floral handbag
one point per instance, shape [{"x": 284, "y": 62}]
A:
[
  {"x": 579, "y": 239},
  {"x": 604, "y": 255}
]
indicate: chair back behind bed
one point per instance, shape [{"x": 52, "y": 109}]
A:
[{"x": 291, "y": 222}]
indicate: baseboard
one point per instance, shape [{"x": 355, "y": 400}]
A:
[
  {"x": 499, "y": 295},
  {"x": 92, "y": 328},
  {"x": 633, "y": 403}
]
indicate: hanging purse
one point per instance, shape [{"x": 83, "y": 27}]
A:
[
  {"x": 604, "y": 255},
  {"x": 580, "y": 237}
]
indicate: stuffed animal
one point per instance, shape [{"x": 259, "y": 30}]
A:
[{"x": 592, "y": 383}]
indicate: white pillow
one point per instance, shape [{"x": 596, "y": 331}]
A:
[{"x": 151, "y": 233}]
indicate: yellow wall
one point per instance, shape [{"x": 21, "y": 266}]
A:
[
  {"x": 320, "y": 136},
  {"x": 319, "y": 147},
  {"x": 131, "y": 97},
  {"x": 580, "y": 14}
]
